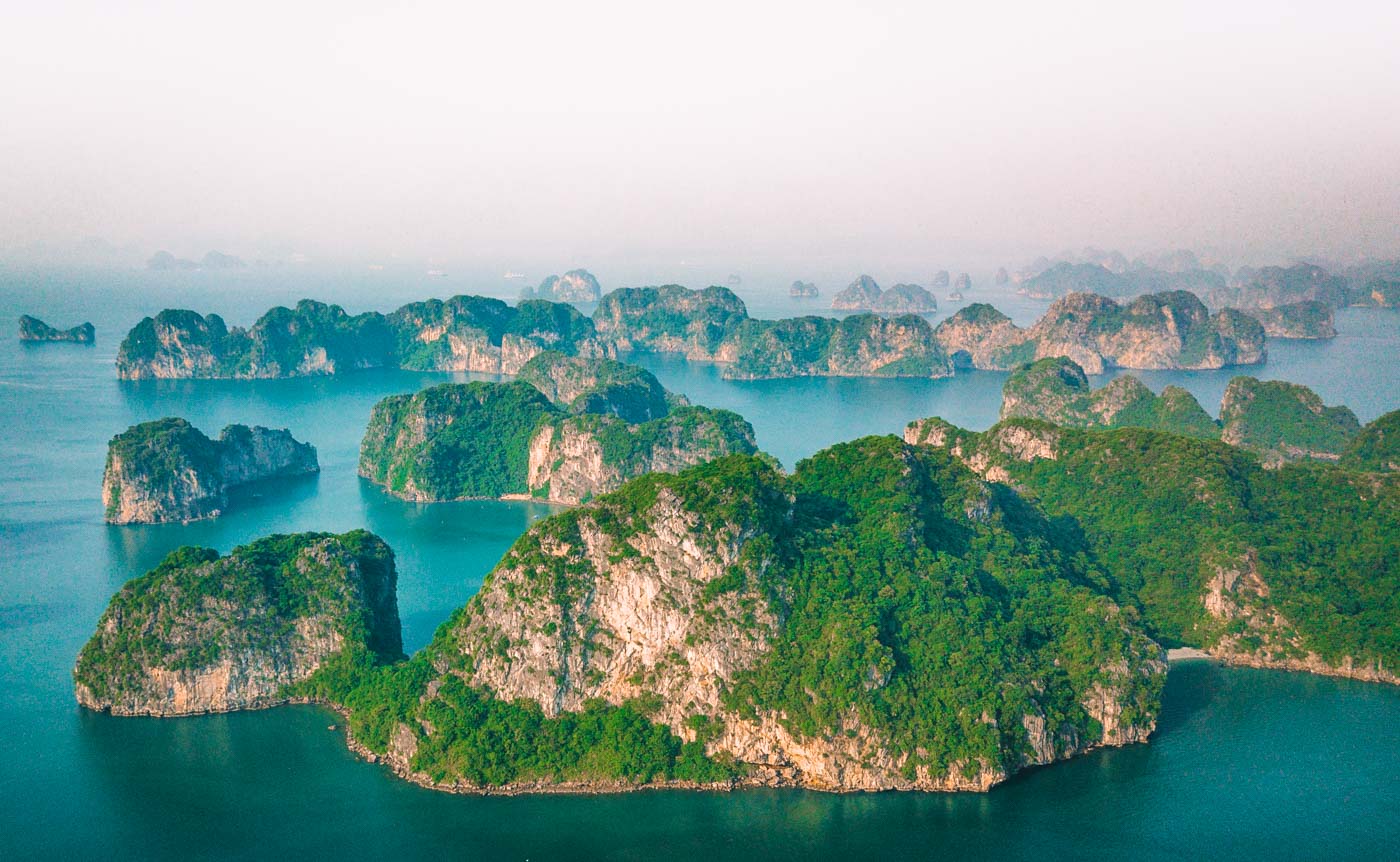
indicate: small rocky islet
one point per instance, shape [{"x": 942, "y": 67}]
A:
[
  {"x": 34, "y": 330},
  {"x": 168, "y": 470}
]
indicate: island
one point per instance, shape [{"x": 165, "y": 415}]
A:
[
  {"x": 860, "y": 345},
  {"x": 565, "y": 432},
  {"x": 859, "y": 295},
  {"x": 1168, "y": 330},
  {"x": 464, "y": 333},
  {"x": 33, "y": 329},
  {"x": 168, "y": 470},
  {"x": 1276, "y": 420},
  {"x": 576, "y": 285},
  {"x": 1307, "y": 319},
  {"x": 203, "y": 633},
  {"x": 803, "y": 290}
]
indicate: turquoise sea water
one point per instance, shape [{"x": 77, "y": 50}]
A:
[{"x": 1245, "y": 764}]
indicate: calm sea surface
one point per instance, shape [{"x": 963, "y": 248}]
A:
[{"x": 1245, "y": 764}]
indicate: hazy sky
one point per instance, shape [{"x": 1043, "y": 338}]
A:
[{"x": 850, "y": 135}]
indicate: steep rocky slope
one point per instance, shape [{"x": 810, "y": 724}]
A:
[
  {"x": 168, "y": 470},
  {"x": 576, "y": 285},
  {"x": 34, "y": 329},
  {"x": 1377, "y": 446},
  {"x": 601, "y": 386},
  {"x": 859, "y": 295},
  {"x": 728, "y": 604},
  {"x": 203, "y": 633},
  {"x": 670, "y": 319}
]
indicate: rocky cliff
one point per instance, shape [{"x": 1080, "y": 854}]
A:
[
  {"x": 860, "y": 295},
  {"x": 34, "y": 329},
  {"x": 464, "y": 333},
  {"x": 484, "y": 440},
  {"x": 979, "y": 336},
  {"x": 203, "y": 633},
  {"x": 803, "y": 290},
  {"x": 1306, "y": 319},
  {"x": 1273, "y": 286},
  {"x": 576, "y": 285},
  {"x": 726, "y": 603},
  {"x": 168, "y": 470},
  {"x": 905, "y": 299},
  {"x": 1285, "y": 568}
]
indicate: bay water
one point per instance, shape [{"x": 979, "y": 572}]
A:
[{"x": 1245, "y": 764}]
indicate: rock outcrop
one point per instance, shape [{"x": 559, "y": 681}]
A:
[
  {"x": 803, "y": 290},
  {"x": 576, "y": 285},
  {"x": 1306, "y": 319},
  {"x": 1157, "y": 331},
  {"x": 905, "y": 299},
  {"x": 1273, "y": 286},
  {"x": 979, "y": 336},
  {"x": 168, "y": 470},
  {"x": 860, "y": 295},
  {"x": 34, "y": 329},
  {"x": 202, "y": 633}
]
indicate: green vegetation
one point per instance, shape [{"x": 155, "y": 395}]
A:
[
  {"x": 1307, "y": 319},
  {"x": 857, "y": 345},
  {"x": 1056, "y": 389},
  {"x": 196, "y": 608},
  {"x": 454, "y": 441},
  {"x": 603, "y": 386},
  {"x": 670, "y": 318},
  {"x": 1377, "y": 447},
  {"x": 1164, "y": 513},
  {"x": 1284, "y": 420},
  {"x": 937, "y": 610},
  {"x": 34, "y": 329}
]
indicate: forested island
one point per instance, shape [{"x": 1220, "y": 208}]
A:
[
  {"x": 35, "y": 330},
  {"x": 1279, "y": 421},
  {"x": 566, "y": 430},
  {"x": 1172, "y": 330},
  {"x": 934, "y": 613},
  {"x": 169, "y": 470}
]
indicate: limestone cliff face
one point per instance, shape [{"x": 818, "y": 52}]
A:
[
  {"x": 1158, "y": 331},
  {"x": 905, "y": 299},
  {"x": 576, "y": 285},
  {"x": 174, "y": 344},
  {"x": 861, "y": 345},
  {"x": 34, "y": 329},
  {"x": 860, "y": 295},
  {"x": 168, "y": 470},
  {"x": 676, "y": 591},
  {"x": 574, "y": 460},
  {"x": 202, "y": 633},
  {"x": 1252, "y": 633},
  {"x": 979, "y": 336},
  {"x": 601, "y": 386}
]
